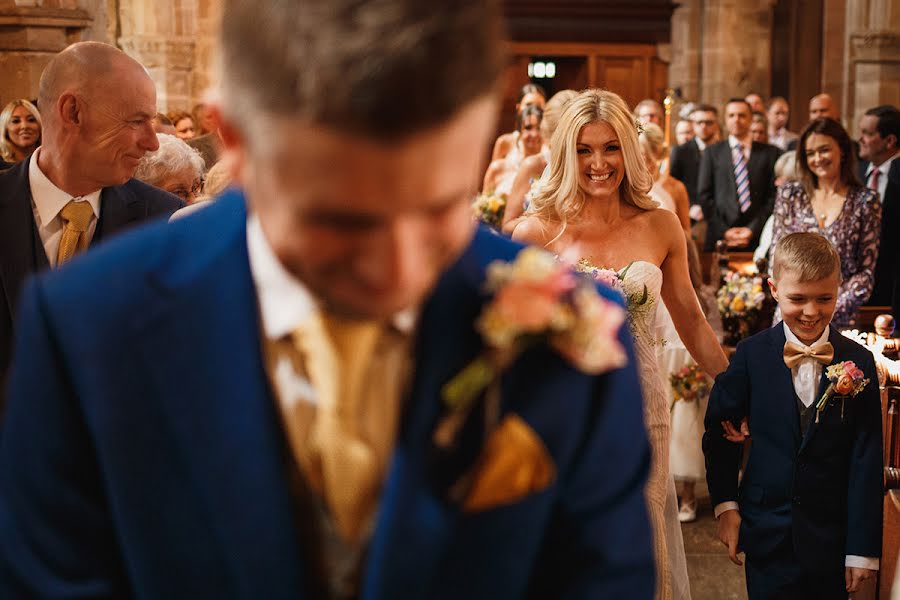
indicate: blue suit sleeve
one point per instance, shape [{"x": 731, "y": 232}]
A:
[
  {"x": 599, "y": 545},
  {"x": 55, "y": 536},
  {"x": 728, "y": 401},
  {"x": 865, "y": 491}
]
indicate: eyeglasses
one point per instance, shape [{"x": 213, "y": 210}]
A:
[{"x": 188, "y": 194}]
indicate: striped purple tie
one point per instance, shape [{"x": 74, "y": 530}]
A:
[{"x": 741, "y": 177}]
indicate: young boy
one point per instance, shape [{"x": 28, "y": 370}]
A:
[{"x": 807, "y": 514}]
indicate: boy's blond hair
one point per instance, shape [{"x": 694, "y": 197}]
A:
[{"x": 809, "y": 255}]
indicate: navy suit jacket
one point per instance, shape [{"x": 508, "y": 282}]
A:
[
  {"x": 717, "y": 191},
  {"x": 142, "y": 454},
  {"x": 21, "y": 250},
  {"x": 887, "y": 270},
  {"x": 822, "y": 489}
]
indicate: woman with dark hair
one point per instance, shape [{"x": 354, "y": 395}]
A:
[
  {"x": 529, "y": 95},
  {"x": 502, "y": 172},
  {"x": 829, "y": 199}
]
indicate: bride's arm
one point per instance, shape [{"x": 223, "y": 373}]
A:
[{"x": 682, "y": 302}]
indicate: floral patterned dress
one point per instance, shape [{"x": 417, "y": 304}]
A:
[{"x": 855, "y": 234}]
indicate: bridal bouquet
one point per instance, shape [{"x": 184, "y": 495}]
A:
[
  {"x": 637, "y": 298},
  {"x": 744, "y": 306},
  {"x": 489, "y": 209},
  {"x": 689, "y": 383}
]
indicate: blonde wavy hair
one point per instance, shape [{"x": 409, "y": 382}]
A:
[
  {"x": 6, "y": 146},
  {"x": 560, "y": 197}
]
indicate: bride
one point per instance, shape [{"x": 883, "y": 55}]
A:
[{"x": 594, "y": 211}]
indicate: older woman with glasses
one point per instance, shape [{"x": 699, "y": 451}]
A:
[{"x": 174, "y": 167}]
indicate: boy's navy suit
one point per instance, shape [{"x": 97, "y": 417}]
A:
[
  {"x": 142, "y": 454},
  {"x": 811, "y": 497}
]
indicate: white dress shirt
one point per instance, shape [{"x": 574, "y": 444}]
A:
[
  {"x": 806, "y": 385},
  {"x": 883, "y": 169},
  {"x": 733, "y": 142},
  {"x": 47, "y": 201}
]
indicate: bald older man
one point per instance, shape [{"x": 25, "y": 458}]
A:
[{"x": 97, "y": 106}]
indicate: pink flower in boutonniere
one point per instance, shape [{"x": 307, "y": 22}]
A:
[
  {"x": 537, "y": 299},
  {"x": 846, "y": 379}
]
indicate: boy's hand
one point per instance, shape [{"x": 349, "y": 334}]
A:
[
  {"x": 729, "y": 528},
  {"x": 854, "y": 576},
  {"x": 733, "y": 435}
]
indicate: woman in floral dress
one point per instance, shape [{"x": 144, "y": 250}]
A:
[{"x": 830, "y": 200}]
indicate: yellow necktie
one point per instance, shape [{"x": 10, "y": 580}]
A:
[
  {"x": 794, "y": 353},
  {"x": 76, "y": 217},
  {"x": 357, "y": 369}
]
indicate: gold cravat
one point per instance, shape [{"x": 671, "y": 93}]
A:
[
  {"x": 357, "y": 369},
  {"x": 794, "y": 353},
  {"x": 76, "y": 217}
]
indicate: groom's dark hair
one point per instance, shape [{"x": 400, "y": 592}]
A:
[{"x": 381, "y": 68}]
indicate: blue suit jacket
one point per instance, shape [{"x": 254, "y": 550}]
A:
[
  {"x": 821, "y": 490},
  {"x": 142, "y": 454}
]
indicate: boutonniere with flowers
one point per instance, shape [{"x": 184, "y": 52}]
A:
[
  {"x": 846, "y": 380},
  {"x": 536, "y": 300}
]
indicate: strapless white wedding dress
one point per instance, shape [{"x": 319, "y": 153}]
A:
[{"x": 672, "y": 578}]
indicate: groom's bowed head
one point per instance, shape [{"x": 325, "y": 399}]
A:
[{"x": 358, "y": 131}]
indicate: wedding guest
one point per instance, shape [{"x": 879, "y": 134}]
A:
[
  {"x": 204, "y": 120},
  {"x": 756, "y": 102},
  {"x": 778, "y": 113},
  {"x": 684, "y": 131},
  {"x": 163, "y": 124},
  {"x": 822, "y": 106},
  {"x": 533, "y": 167},
  {"x": 667, "y": 191},
  {"x": 260, "y": 400},
  {"x": 759, "y": 128},
  {"x": 184, "y": 124},
  {"x": 785, "y": 171},
  {"x": 20, "y": 130},
  {"x": 807, "y": 512},
  {"x": 174, "y": 167},
  {"x": 594, "y": 211},
  {"x": 500, "y": 173},
  {"x": 736, "y": 184},
  {"x": 684, "y": 163},
  {"x": 649, "y": 111},
  {"x": 529, "y": 95},
  {"x": 830, "y": 200}
]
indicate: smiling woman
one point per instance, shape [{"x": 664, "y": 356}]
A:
[{"x": 20, "y": 130}]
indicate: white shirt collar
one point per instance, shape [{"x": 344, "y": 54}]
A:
[
  {"x": 733, "y": 141},
  {"x": 284, "y": 301},
  {"x": 789, "y": 335},
  {"x": 883, "y": 167},
  {"x": 49, "y": 199}
]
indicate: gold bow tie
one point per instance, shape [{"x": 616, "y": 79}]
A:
[{"x": 794, "y": 353}]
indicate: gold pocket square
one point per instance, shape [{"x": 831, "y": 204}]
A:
[{"x": 514, "y": 464}]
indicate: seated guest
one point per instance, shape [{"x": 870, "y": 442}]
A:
[
  {"x": 879, "y": 146},
  {"x": 778, "y": 113},
  {"x": 649, "y": 111},
  {"x": 174, "y": 167},
  {"x": 830, "y": 200},
  {"x": 501, "y": 173},
  {"x": 759, "y": 128},
  {"x": 529, "y": 95},
  {"x": 184, "y": 124},
  {"x": 736, "y": 185},
  {"x": 20, "y": 130}
]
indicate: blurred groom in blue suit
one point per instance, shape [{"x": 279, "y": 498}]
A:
[{"x": 247, "y": 403}]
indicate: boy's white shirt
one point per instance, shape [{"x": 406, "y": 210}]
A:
[{"x": 806, "y": 383}]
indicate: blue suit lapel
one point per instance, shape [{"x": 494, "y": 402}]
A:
[
  {"x": 202, "y": 347},
  {"x": 119, "y": 207},
  {"x": 415, "y": 520},
  {"x": 784, "y": 384}
]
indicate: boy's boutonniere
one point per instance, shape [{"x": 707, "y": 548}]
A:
[
  {"x": 846, "y": 379},
  {"x": 536, "y": 300}
]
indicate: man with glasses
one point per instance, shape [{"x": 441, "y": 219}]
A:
[{"x": 685, "y": 160}]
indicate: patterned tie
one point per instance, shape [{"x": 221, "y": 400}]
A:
[
  {"x": 873, "y": 179},
  {"x": 357, "y": 369},
  {"x": 76, "y": 217},
  {"x": 741, "y": 177},
  {"x": 823, "y": 352}
]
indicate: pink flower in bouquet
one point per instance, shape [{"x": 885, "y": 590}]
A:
[
  {"x": 592, "y": 343},
  {"x": 531, "y": 306},
  {"x": 844, "y": 385}
]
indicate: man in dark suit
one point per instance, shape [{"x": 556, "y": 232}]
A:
[
  {"x": 272, "y": 398},
  {"x": 96, "y": 104},
  {"x": 684, "y": 164},
  {"x": 736, "y": 186},
  {"x": 879, "y": 146}
]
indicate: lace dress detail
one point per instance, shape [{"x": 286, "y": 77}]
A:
[{"x": 640, "y": 278}]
